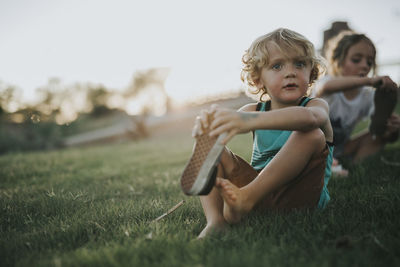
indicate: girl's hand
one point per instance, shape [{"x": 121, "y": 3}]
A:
[
  {"x": 230, "y": 121},
  {"x": 383, "y": 83}
]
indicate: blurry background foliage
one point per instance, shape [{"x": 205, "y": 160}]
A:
[{"x": 64, "y": 110}]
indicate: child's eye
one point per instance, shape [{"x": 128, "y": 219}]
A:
[
  {"x": 300, "y": 64},
  {"x": 355, "y": 60},
  {"x": 369, "y": 63},
  {"x": 276, "y": 66}
]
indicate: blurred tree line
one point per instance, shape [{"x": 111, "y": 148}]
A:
[{"x": 56, "y": 113}]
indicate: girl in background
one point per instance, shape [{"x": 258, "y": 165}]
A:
[{"x": 353, "y": 94}]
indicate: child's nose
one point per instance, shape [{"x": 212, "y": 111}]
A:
[
  {"x": 364, "y": 64},
  {"x": 290, "y": 72}
]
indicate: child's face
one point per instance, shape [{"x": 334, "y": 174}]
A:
[
  {"x": 286, "y": 77},
  {"x": 359, "y": 60}
]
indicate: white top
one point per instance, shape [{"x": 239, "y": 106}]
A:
[{"x": 344, "y": 113}]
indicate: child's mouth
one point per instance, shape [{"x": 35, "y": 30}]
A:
[{"x": 290, "y": 86}]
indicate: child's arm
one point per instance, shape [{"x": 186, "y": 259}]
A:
[
  {"x": 344, "y": 83},
  {"x": 202, "y": 120},
  {"x": 314, "y": 115}
]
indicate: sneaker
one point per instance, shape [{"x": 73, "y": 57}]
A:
[
  {"x": 385, "y": 102},
  {"x": 337, "y": 170},
  {"x": 198, "y": 177}
]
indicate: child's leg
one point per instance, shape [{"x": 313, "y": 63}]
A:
[
  {"x": 290, "y": 161},
  {"x": 362, "y": 146},
  {"x": 213, "y": 203},
  {"x": 212, "y": 206}
]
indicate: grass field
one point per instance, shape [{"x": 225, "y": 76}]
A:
[{"x": 94, "y": 207}]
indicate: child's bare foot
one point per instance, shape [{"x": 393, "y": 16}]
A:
[
  {"x": 235, "y": 205},
  {"x": 212, "y": 229}
]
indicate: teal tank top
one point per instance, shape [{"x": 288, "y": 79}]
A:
[{"x": 267, "y": 144}]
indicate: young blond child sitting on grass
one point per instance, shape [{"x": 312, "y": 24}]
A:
[{"x": 292, "y": 155}]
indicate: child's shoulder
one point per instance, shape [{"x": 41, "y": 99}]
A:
[
  {"x": 249, "y": 107},
  {"x": 317, "y": 101}
]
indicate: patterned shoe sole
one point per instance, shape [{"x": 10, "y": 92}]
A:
[
  {"x": 385, "y": 103},
  {"x": 199, "y": 174}
]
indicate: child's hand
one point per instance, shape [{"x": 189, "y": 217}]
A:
[
  {"x": 202, "y": 122},
  {"x": 230, "y": 121},
  {"x": 384, "y": 83}
]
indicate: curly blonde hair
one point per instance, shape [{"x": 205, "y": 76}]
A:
[
  {"x": 257, "y": 56},
  {"x": 339, "y": 46}
]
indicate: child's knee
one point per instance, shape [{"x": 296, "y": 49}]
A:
[{"x": 315, "y": 137}]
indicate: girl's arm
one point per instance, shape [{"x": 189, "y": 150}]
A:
[
  {"x": 314, "y": 115},
  {"x": 344, "y": 83}
]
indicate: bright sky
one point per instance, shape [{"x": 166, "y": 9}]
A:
[{"x": 201, "y": 41}]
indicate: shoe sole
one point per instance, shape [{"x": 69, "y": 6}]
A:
[
  {"x": 199, "y": 175},
  {"x": 385, "y": 102}
]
